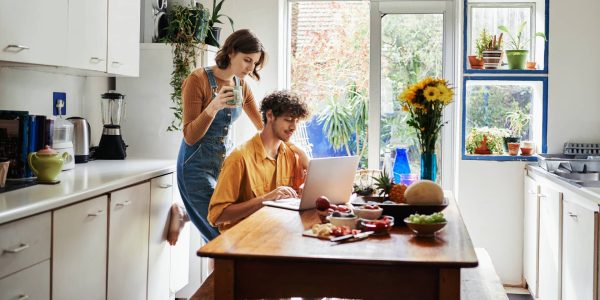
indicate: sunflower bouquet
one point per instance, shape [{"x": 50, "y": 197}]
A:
[{"x": 425, "y": 101}]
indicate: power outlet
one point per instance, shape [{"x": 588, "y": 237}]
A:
[{"x": 57, "y": 98}]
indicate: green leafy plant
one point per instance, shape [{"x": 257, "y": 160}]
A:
[
  {"x": 481, "y": 42},
  {"x": 517, "y": 120},
  {"x": 518, "y": 41},
  {"x": 493, "y": 135},
  {"x": 493, "y": 43},
  {"x": 215, "y": 18},
  {"x": 186, "y": 31}
]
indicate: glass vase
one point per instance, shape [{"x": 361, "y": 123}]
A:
[
  {"x": 401, "y": 164},
  {"x": 428, "y": 166}
]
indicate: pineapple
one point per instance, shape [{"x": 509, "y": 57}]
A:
[
  {"x": 397, "y": 193},
  {"x": 384, "y": 183}
]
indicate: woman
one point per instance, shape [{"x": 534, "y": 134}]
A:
[{"x": 207, "y": 120}]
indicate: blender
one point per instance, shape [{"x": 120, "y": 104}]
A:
[{"x": 111, "y": 144}]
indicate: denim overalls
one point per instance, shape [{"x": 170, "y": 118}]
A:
[{"x": 199, "y": 165}]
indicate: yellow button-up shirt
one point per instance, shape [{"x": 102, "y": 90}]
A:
[{"x": 248, "y": 173}]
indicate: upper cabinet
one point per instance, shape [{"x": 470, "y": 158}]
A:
[
  {"x": 87, "y": 34},
  {"x": 123, "y": 37},
  {"x": 33, "y": 31},
  {"x": 90, "y": 35}
]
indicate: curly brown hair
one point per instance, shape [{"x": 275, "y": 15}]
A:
[
  {"x": 284, "y": 102},
  {"x": 243, "y": 41}
]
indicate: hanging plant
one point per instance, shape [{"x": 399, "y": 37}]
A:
[{"x": 185, "y": 33}]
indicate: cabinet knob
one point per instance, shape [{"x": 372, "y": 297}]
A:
[
  {"x": 23, "y": 297},
  {"x": 17, "y": 249},
  {"x": 123, "y": 204},
  {"x": 116, "y": 63},
  {"x": 96, "y": 214},
  {"x": 572, "y": 215},
  {"x": 165, "y": 186},
  {"x": 20, "y": 47},
  {"x": 96, "y": 60}
]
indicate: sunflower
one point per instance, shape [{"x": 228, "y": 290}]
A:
[
  {"x": 431, "y": 93},
  {"x": 445, "y": 94}
]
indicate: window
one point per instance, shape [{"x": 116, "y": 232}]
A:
[
  {"x": 329, "y": 66},
  {"x": 503, "y": 107}
]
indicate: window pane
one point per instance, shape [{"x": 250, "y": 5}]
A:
[
  {"x": 329, "y": 59},
  {"x": 511, "y": 17},
  {"x": 502, "y": 108},
  {"x": 411, "y": 49}
]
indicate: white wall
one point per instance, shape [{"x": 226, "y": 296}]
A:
[
  {"x": 491, "y": 193},
  {"x": 31, "y": 90}
]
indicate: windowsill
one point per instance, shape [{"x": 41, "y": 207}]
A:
[
  {"x": 499, "y": 157},
  {"x": 503, "y": 71}
]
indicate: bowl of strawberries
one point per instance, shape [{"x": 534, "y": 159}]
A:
[{"x": 380, "y": 226}]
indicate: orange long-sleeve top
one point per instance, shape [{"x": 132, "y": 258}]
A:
[{"x": 196, "y": 94}]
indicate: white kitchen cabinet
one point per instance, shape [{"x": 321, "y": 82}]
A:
[
  {"x": 79, "y": 250},
  {"x": 161, "y": 198},
  {"x": 550, "y": 225},
  {"x": 32, "y": 283},
  {"x": 129, "y": 210},
  {"x": 123, "y": 37},
  {"x": 531, "y": 234},
  {"x": 33, "y": 31},
  {"x": 87, "y": 35},
  {"x": 180, "y": 253},
  {"x": 579, "y": 256},
  {"x": 24, "y": 243}
]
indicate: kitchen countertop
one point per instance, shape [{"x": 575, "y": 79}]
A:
[
  {"x": 83, "y": 182},
  {"x": 592, "y": 193}
]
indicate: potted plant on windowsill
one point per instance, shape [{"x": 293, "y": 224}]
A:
[
  {"x": 517, "y": 56},
  {"x": 516, "y": 121},
  {"x": 485, "y": 140},
  {"x": 214, "y": 33},
  {"x": 492, "y": 52},
  {"x": 476, "y": 61}
]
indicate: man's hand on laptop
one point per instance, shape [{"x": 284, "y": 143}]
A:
[{"x": 282, "y": 192}]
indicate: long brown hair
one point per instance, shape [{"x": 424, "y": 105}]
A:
[{"x": 243, "y": 41}]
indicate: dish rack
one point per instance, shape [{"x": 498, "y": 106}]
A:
[{"x": 576, "y": 157}]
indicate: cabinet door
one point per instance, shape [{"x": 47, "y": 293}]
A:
[
  {"x": 79, "y": 250},
  {"x": 87, "y": 34},
  {"x": 128, "y": 242},
  {"x": 31, "y": 283},
  {"x": 180, "y": 253},
  {"x": 33, "y": 31},
  {"x": 549, "y": 243},
  {"x": 161, "y": 197},
  {"x": 579, "y": 274},
  {"x": 530, "y": 234},
  {"x": 123, "y": 37}
]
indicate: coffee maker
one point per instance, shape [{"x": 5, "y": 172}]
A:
[{"x": 111, "y": 144}]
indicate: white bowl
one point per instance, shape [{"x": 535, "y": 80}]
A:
[
  {"x": 370, "y": 214},
  {"x": 341, "y": 221}
]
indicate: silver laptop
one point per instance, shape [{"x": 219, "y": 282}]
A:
[{"x": 331, "y": 177}]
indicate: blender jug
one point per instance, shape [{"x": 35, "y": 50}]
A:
[
  {"x": 111, "y": 144},
  {"x": 113, "y": 108}
]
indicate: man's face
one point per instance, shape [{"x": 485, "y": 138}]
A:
[{"x": 284, "y": 126}]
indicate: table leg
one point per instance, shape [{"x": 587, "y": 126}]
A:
[
  {"x": 449, "y": 284},
  {"x": 224, "y": 279}
]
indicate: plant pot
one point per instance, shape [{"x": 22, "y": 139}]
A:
[
  {"x": 531, "y": 65},
  {"x": 475, "y": 62},
  {"x": 492, "y": 59},
  {"x": 516, "y": 59},
  {"x": 212, "y": 38},
  {"x": 513, "y": 148},
  {"x": 510, "y": 139}
]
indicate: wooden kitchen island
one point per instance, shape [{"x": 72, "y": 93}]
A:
[{"x": 266, "y": 256}]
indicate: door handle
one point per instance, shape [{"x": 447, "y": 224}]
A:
[
  {"x": 21, "y": 47},
  {"x": 572, "y": 215},
  {"x": 96, "y": 60},
  {"x": 165, "y": 186},
  {"x": 23, "y": 297},
  {"x": 123, "y": 204},
  {"x": 17, "y": 249}
]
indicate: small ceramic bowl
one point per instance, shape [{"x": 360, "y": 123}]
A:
[
  {"x": 526, "y": 151},
  {"x": 377, "y": 226},
  {"x": 425, "y": 229},
  {"x": 370, "y": 214},
  {"x": 343, "y": 221}
]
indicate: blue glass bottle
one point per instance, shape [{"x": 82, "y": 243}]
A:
[{"x": 401, "y": 165}]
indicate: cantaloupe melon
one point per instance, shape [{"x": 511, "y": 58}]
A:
[{"x": 424, "y": 192}]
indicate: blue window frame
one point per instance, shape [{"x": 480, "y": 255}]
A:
[
  {"x": 539, "y": 116},
  {"x": 466, "y": 34}
]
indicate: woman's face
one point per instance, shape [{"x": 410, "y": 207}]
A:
[{"x": 243, "y": 64}]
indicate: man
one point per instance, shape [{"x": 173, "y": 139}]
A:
[{"x": 264, "y": 168}]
